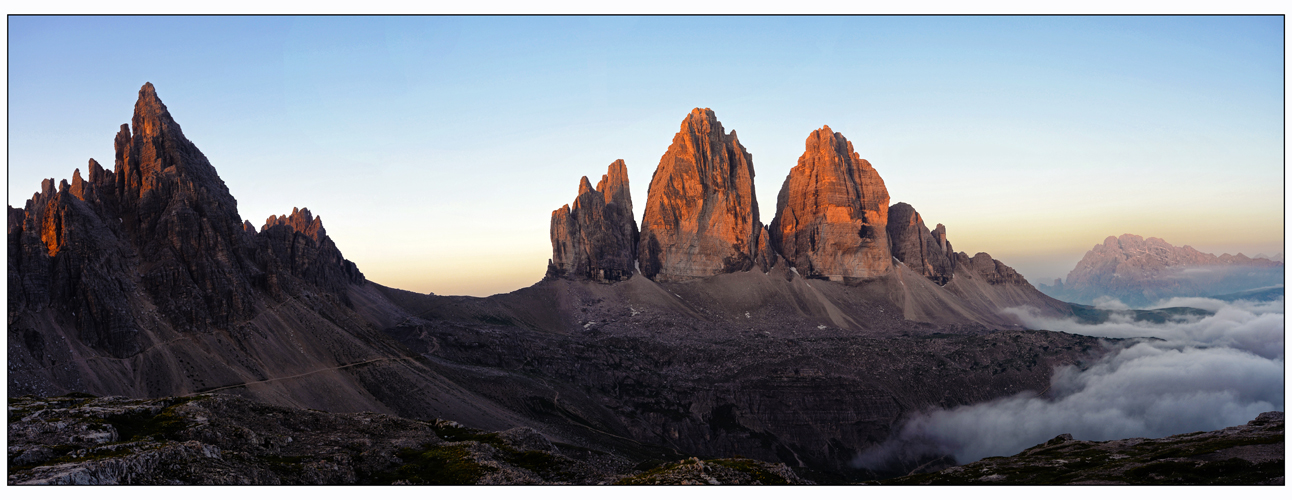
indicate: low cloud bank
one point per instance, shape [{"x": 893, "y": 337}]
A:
[{"x": 1204, "y": 373}]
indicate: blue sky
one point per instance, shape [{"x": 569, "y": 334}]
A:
[{"x": 435, "y": 148}]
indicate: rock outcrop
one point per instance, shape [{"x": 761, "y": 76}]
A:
[
  {"x": 597, "y": 238},
  {"x": 832, "y": 212},
  {"x": 928, "y": 253},
  {"x": 1140, "y": 271},
  {"x": 298, "y": 245},
  {"x": 1244, "y": 454},
  {"x": 994, "y": 271},
  {"x": 701, "y": 214}
]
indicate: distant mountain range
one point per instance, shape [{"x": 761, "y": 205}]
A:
[
  {"x": 703, "y": 332},
  {"x": 1142, "y": 271}
]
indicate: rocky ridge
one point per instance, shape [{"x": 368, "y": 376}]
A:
[
  {"x": 143, "y": 281},
  {"x": 1140, "y": 271},
  {"x": 1245, "y": 454}
]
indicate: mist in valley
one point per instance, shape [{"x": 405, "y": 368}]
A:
[{"x": 1193, "y": 373}]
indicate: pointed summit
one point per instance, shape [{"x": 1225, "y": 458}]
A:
[
  {"x": 701, "y": 215},
  {"x": 615, "y": 186},
  {"x": 832, "y": 212},
  {"x": 596, "y": 237}
]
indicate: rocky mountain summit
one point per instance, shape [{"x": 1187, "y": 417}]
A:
[
  {"x": 926, "y": 252},
  {"x": 597, "y": 239},
  {"x": 701, "y": 214},
  {"x": 1244, "y": 454},
  {"x": 1140, "y": 271},
  {"x": 832, "y": 222},
  {"x": 832, "y": 212}
]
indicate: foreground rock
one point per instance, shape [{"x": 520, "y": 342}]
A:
[
  {"x": 701, "y": 214},
  {"x": 79, "y": 439},
  {"x": 597, "y": 238},
  {"x": 1141, "y": 271},
  {"x": 1246, "y": 454},
  {"x": 832, "y": 212}
]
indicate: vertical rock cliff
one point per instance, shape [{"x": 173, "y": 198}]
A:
[
  {"x": 597, "y": 238},
  {"x": 832, "y": 212},
  {"x": 925, "y": 252},
  {"x": 701, "y": 214}
]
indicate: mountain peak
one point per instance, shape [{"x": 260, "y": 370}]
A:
[
  {"x": 301, "y": 221},
  {"x": 832, "y": 212},
  {"x": 701, "y": 216},
  {"x": 151, "y": 117}
]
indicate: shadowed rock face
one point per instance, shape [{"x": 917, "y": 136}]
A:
[
  {"x": 143, "y": 281},
  {"x": 994, "y": 271},
  {"x": 701, "y": 214},
  {"x": 297, "y": 244},
  {"x": 927, "y": 253},
  {"x": 597, "y": 239},
  {"x": 832, "y": 212}
]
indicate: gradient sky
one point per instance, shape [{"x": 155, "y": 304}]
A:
[{"x": 436, "y": 148}]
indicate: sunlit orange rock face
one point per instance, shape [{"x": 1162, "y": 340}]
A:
[
  {"x": 701, "y": 215},
  {"x": 925, "y": 252},
  {"x": 832, "y": 212},
  {"x": 597, "y": 238}
]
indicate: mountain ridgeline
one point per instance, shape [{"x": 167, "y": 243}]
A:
[
  {"x": 832, "y": 222},
  {"x": 702, "y": 332},
  {"x": 1141, "y": 271}
]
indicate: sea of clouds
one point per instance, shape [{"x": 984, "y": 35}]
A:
[{"x": 1197, "y": 373}]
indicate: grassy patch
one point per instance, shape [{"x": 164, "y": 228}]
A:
[
  {"x": 1232, "y": 471},
  {"x": 137, "y": 425},
  {"x": 435, "y": 465},
  {"x": 650, "y": 476},
  {"x": 1202, "y": 446}
]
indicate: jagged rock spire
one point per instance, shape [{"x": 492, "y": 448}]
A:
[
  {"x": 832, "y": 212},
  {"x": 597, "y": 238},
  {"x": 701, "y": 214}
]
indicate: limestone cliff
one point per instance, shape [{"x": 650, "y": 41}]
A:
[
  {"x": 701, "y": 214},
  {"x": 597, "y": 238},
  {"x": 832, "y": 212},
  {"x": 925, "y": 252}
]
